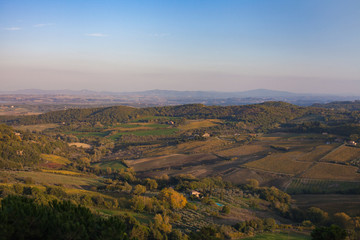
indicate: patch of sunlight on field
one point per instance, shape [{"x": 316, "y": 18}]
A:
[
  {"x": 317, "y": 153},
  {"x": 64, "y": 172},
  {"x": 55, "y": 159},
  {"x": 86, "y": 192},
  {"x": 195, "y": 124},
  {"x": 280, "y": 163},
  {"x": 342, "y": 154},
  {"x": 52, "y": 178},
  {"x": 41, "y": 187},
  {"x": 80, "y": 145},
  {"x": 332, "y": 171},
  {"x": 36, "y": 127}
]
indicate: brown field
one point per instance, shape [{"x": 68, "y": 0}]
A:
[
  {"x": 342, "y": 154},
  {"x": 332, "y": 171},
  {"x": 37, "y": 127},
  {"x": 210, "y": 145},
  {"x": 317, "y": 153},
  {"x": 195, "y": 124},
  {"x": 55, "y": 179},
  {"x": 243, "y": 150},
  {"x": 80, "y": 145},
  {"x": 240, "y": 176},
  {"x": 269, "y": 139},
  {"x": 331, "y": 203},
  {"x": 280, "y": 163},
  {"x": 170, "y": 161}
]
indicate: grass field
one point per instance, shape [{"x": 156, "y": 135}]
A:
[
  {"x": 37, "y": 127},
  {"x": 110, "y": 164},
  {"x": 279, "y": 236},
  {"x": 81, "y": 145},
  {"x": 55, "y": 159},
  {"x": 89, "y": 134},
  {"x": 318, "y": 186},
  {"x": 152, "y": 118},
  {"x": 52, "y": 178},
  {"x": 280, "y": 163},
  {"x": 196, "y": 124},
  {"x": 150, "y": 132},
  {"x": 332, "y": 171},
  {"x": 130, "y": 127},
  {"x": 342, "y": 154}
]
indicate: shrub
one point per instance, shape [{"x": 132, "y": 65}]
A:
[
  {"x": 333, "y": 232},
  {"x": 225, "y": 209},
  {"x": 139, "y": 189}
]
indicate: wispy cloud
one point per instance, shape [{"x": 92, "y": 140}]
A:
[
  {"x": 12, "y": 29},
  {"x": 39, "y": 25},
  {"x": 96, "y": 35}
]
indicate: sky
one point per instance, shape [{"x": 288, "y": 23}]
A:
[{"x": 304, "y": 46}]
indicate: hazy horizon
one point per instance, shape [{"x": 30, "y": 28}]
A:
[{"x": 308, "y": 46}]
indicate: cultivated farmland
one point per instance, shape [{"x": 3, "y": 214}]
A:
[
  {"x": 317, "y": 153},
  {"x": 332, "y": 171},
  {"x": 280, "y": 163},
  {"x": 342, "y": 154},
  {"x": 308, "y": 186}
]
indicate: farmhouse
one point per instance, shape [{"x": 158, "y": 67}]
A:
[
  {"x": 352, "y": 143},
  {"x": 206, "y": 135},
  {"x": 195, "y": 193}
]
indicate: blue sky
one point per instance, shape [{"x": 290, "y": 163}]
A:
[{"x": 300, "y": 46}]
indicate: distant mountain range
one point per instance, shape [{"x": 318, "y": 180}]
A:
[
  {"x": 171, "y": 97},
  {"x": 170, "y": 93}
]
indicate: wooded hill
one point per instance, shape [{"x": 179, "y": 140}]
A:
[
  {"x": 258, "y": 113},
  {"x": 260, "y": 117}
]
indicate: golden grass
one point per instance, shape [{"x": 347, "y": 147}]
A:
[
  {"x": 37, "y": 127},
  {"x": 243, "y": 150},
  {"x": 64, "y": 172},
  {"x": 86, "y": 192},
  {"x": 280, "y": 163},
  {"x": 332, "y": 171},
  {"x": 55, "y": 159},
  {"x": 80, "y": 145},
  {"x": 317, "y": 153},
  {"x": 342, "y": 154},
  {"x": 195, "y": 124}
]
